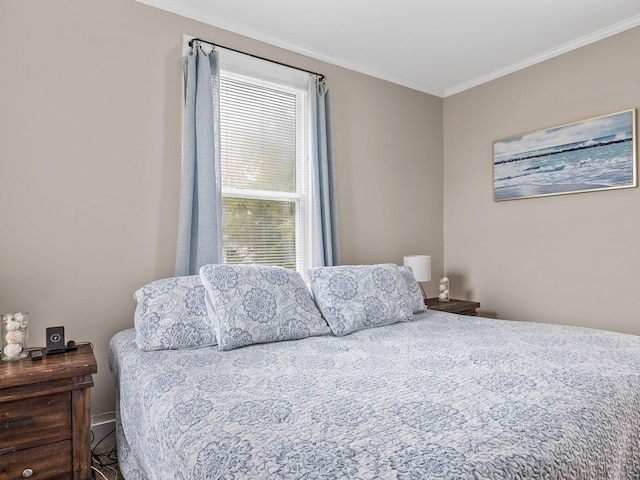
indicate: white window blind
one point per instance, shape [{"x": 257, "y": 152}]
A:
[{"x": 265, "y": 172}]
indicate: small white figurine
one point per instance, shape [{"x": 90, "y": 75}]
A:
[{"x": 444, "y": 290}]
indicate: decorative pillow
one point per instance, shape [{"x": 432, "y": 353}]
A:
[
  {"x": 415, "y": 292},
  {"x": 360, "y": 296},
  {"x": 259, "y": 304},
  {"x": 171, "y": 315}
]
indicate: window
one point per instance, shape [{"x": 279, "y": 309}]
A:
[{"x": 264, "y": 163}]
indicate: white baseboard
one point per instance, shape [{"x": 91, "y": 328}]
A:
[
  {"x": 102, "y": 425},
  {"x": 103, "y": 418}
]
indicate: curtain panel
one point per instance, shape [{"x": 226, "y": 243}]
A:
[
  {"x": 200, "y": 223},
  {"x": 325, "y": 205}
]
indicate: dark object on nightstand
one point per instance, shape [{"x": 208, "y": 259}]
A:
[
  {"x": 461, "y": 307},
  {"x": 45, "y": 416},
  {"x": 36, "y": 354},
  {"x": 55, "y": 340}
]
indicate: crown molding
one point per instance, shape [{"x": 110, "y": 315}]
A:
[{"x": 541, "y": 57}]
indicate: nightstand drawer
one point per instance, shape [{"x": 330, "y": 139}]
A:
[
  {"x": 34, "y": 421},
  {"x": 49, "y": 462}
]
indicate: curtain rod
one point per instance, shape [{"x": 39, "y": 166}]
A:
[{"x": 193, "y": 40}]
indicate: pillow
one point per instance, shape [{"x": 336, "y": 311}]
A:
[
  {"x": 413, "y": 289},
  {"x": 259, "y": 304},
  {"x": 171, "y": 315},
  {"x": 360, "y": 296}
]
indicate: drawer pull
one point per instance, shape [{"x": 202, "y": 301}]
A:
[
  {"x": 27, "y": 473},
  {"x": 17, "y": 424}
]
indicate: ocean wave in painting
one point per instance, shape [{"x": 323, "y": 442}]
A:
[{"x": 540, "y": 163}]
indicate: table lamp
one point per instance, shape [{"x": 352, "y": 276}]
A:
[{"x": 421, "y": 267}]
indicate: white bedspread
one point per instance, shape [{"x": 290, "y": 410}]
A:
[{"x": 441, "y": 397}]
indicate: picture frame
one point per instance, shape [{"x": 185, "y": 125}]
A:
[{"x": 586, "y": 156}]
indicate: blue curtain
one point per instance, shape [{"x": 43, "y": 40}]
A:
[
  {"x": 200, "y": 223},
  {"x": 324, "y": 177}
]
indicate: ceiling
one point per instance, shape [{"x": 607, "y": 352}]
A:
[{"x": 440, "y": 47}]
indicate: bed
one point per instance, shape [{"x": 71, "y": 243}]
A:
[{"x": 436, "y": 396}]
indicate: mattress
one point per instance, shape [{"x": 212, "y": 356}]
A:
[{"x": 441, "y": 397}]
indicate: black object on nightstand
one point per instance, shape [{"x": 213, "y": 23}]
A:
[
  {"x": 461, "y": 307},
  {"x": 36, "y": 354}
]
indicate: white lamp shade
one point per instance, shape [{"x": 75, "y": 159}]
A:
[{"x": 420, "y": 266}]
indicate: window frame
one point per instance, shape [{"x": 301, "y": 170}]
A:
[{"x": 286, "y": 79}]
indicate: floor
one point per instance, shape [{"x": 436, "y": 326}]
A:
[{"x": 105, "y": 462}]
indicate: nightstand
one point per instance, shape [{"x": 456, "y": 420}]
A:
[
  {"x": 461, "y": 307},
  {"x": 45, "y": 416}
]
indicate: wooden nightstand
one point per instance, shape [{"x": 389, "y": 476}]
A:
[
  {"x": 461, "y": 307},
  {"x": 45, "y": 416}
]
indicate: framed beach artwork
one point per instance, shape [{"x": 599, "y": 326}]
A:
[{"x": 591, "y": 155}]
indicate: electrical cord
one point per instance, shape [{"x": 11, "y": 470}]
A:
[
  {"x": 116, "y": 473},
  {"x": 107, "y": 460},
  {"x": 95, "y": 470},
  {"x": 72, "y": 342}
]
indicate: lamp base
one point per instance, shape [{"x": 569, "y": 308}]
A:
[{"x": 424, "y": 294}]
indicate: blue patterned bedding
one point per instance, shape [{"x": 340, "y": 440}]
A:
[{"x": 440, "y": 397}]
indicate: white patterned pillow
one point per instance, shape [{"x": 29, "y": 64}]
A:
[
  {"x": 360, "y": 296},
  {"x": 413, "y": 289},
  {"x": 171, "y": 315},
  {"x": 259, "y": 304}
]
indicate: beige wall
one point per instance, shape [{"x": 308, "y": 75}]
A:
[
  {"x": 90, "y": 142},
  {"x": 571, "y": 259}
]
